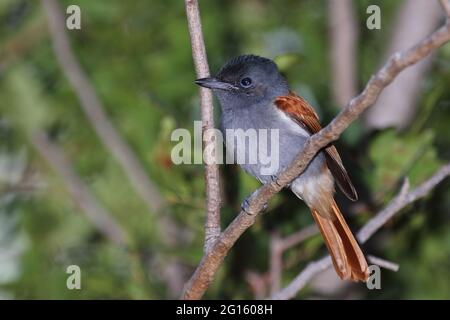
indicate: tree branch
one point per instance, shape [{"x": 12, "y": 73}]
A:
[
  {"x": 212, "y": 223},
  {"x": 402, "y": 200},
  {"x": 383, "y": 263},
  {"x": 276, "y": 262},
  {"x": 278, "y": 245},
  {"x": 299, "y": 236},
  {"x": 372, "y": 226},
  {"x": 211, "y": 261}
]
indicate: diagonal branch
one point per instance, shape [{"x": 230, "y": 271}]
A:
[
  {"x": 383, "y": 263},
  {"x": 212, "y": 223},
  {"x": 278, "y": 245},
  {"x": 211, "y": 261},
  {"x": 275, "y": 262},
  {"x": 299, "y": 236},
  {"x": 403, "y": 199}
]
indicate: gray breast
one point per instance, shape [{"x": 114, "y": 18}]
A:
[{"x": 262, "y": 140}]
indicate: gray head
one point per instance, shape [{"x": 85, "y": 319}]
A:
[{"x": 246, "y": 80}]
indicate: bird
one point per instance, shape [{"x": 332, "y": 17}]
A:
[{"x": 254, "y": 95}]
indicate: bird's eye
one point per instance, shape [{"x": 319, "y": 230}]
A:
[{"x": 246, "y": 82}]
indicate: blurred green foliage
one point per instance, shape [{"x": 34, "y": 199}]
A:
[
  {"x": 395, "y": 156},
  {"x": 137, "y": 54}
]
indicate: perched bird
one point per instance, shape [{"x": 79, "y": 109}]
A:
[{"x": 254, "y": 95}]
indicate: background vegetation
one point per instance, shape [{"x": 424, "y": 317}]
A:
[{"x": 137, "y": 54}]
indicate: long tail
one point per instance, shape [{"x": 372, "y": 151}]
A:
[{"x": 348, "y": 259}]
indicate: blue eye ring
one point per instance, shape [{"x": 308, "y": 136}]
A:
[{"x": 246, "y": 82}]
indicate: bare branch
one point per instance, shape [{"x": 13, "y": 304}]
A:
[
  {"x": 277, "y": 247},
  {"x": 212, "y": 223},
  {"x": 212, "y": 260},
  {"x": 298, "y": 237},
  {"x": 402, "y": 200},
  {"x": 343, "y": 37},
  {"x": 383, "y": 263},
  {"x": 372, "y": 226},
  {"x": 276, "y": 262},
  {"x": 98, "y": 216}
]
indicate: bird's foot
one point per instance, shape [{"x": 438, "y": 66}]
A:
[
  {"x": 246, "y": 207},
  {"x": 274, "y": 179}
]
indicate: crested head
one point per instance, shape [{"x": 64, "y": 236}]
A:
[
  {"x": 247, "y": 80},
  {"x": 243, "y": 63},
  {"x": 256, "y": 72}
]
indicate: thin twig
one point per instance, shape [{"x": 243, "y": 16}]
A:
[
  {"x": 299, "y": 236},
  {"x": 212, "y": 223},
  {"x": 383, "y": 263},
  {"x": 278, "y": 245},
  {"x": 212, "y": 260},
  {"x": 402, "y": 200},
  {"x": 276, "y": 262},
  {"x": 372, "y": 226}
]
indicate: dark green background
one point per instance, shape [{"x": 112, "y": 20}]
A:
[{"x": 137, "y": 54}]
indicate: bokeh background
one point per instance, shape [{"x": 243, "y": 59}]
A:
[{"x": 66, "y": 199}]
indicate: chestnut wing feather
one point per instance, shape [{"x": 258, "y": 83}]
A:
[{"x": 302, "y": 113}]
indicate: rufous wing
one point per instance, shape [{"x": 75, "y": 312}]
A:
[{"x": 299, "y": 110}]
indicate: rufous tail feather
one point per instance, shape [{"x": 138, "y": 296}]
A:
[{"x": 348, "y": 259}]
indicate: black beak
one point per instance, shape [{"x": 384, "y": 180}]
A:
[{"x": 213, "y": 83}]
